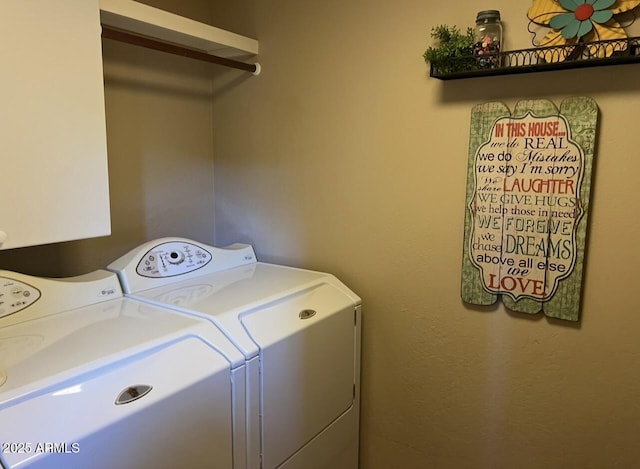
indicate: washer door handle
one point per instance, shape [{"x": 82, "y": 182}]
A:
[
  {"x": 307, "y": 313},
  {"x": 133, "y": 393}
]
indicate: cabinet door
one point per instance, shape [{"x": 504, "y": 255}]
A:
[{"x": 53, "y": 151}]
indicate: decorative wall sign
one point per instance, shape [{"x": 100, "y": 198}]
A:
[{"x": 528, "y": 186}]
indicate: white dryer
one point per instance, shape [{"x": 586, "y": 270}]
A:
[
  {"x": 89, "y": 378},
  {"x": 299, "y": 331}
]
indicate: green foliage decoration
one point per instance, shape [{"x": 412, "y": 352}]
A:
[{"x": 454, "y": 52}]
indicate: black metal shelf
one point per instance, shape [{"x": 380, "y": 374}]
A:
[{"x": 539, "y": 59}]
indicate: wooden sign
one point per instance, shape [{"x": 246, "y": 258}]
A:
[{"x": 528, "y": 186}]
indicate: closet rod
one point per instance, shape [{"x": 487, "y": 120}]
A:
[{"x": 122, "y": 36}]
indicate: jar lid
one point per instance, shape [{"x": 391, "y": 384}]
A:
[{"x": 488, "y": 15}]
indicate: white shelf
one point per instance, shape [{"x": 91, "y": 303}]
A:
[{"x": 138, "y": 18}]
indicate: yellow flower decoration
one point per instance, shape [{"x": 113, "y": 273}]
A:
[{"x": 576, "y": 22}]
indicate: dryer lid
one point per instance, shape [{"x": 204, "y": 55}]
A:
[{"x": 223, "y": 297}]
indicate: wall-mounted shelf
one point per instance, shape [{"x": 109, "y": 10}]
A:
[
  {"x": 150, "y": 22},
  {"x": 540, "y": 59}
]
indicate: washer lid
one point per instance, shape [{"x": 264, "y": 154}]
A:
[
  {"x": 151, "y": 415},
  {"x": 35, "y": 354}
]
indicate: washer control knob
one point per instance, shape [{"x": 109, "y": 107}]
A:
[{"x": 175, "y": 257}]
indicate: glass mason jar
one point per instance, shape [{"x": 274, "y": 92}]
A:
[{"x": 487, "y": 37}]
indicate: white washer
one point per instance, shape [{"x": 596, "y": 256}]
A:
[
  {"x": 89, "y": 378},
  {"x": 299, "y": 331}
]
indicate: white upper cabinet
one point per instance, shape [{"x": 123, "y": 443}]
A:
[{"x": 54, "y": 181}]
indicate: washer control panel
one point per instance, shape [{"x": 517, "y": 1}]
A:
[
  {"x": 171, "y": 259},
  {"x": 16, "y": 296}
]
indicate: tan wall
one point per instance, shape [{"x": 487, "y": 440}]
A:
[
  {"x": 345, "y": 156},
  {"x": 159, "y": 139}
]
